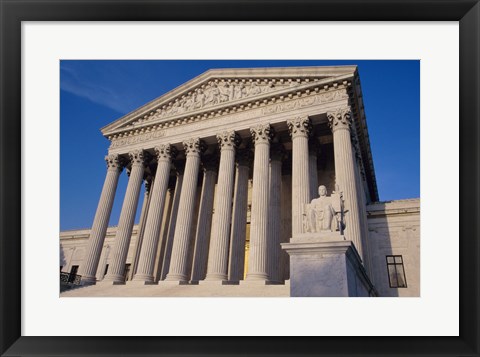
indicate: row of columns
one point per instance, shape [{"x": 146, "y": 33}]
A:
[{"x": 224, "y": 243}]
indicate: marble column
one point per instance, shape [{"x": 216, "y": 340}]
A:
[
  {"x": 100, "y": 223},
  {"x": 274, "y": 220},
  {"x": 172, "y": 223},
  {"x": 163, "y": 233},
  {"x": 217, "y": 269},
  {"x": 127, "y": 218},
  {"x": 103, "y": 266},
  {"x": 257, "y": 261},
  {"x": 146, "y": 264},
  {"x": 313, "y": 151},
  {"x": 300, "y": 129},
  {"x": 286, "y": 209},
  {"x": 181, "y": 241},
  {"x": 363, "y": 209},
  {"x": 340, "y": 122},
  {"x": 236, "y": 259},
  {"x": 141, "y": 226},
  {"x": 202, "y": 235}
]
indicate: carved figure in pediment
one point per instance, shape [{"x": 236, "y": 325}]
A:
[
  {"x": 253, "y": 89},
  {"x": 324, "y": 213},
  {"x": 239, "y": 91},
  {"x": 188, "y": 104},
  {"x": 181, "y": 108},
  {"x": 161, "y": 112},
  {"x": 174, "y": 109},
  {"x": 211, "y": 95},
  {"x": 224, "y": 92},
  {"x": 199, "y": 98}
]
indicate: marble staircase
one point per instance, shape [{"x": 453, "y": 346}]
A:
[{"x": 133, "y": 289}]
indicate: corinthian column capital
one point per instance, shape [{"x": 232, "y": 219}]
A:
[
  {"x": 114, "y": 162},
  {"x": 228, "y": 140},
  {"x": 165, "y": 152},
  {"x": 300, "y": 126},
  {"x": 262, "y": 133},
  {"x": 340, "y": 118},
  {"x": 194, "y": 146},
  {"x": 138, "y": 157}
]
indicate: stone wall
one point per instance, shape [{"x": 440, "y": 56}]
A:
[
  {"x": 73, "y": 244},
  {"x": 394, "y": 229}
]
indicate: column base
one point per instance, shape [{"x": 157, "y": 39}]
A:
[
  {"x": 215, "y": 277},
  {"x": 143, "y": 278},
  {"x": 140, "y": 282},
  {"x": 88, "y": 280},
  {"x": 256, "y": 277},
  {"x": 176, "y": 277},
  {"x": 172, "y": 282},
  {"x": 258, "y": 282},
  {"x": 216, "y": 282},
  {"x": 324, "y": 264},
  {"x": 113, "y": 280}
]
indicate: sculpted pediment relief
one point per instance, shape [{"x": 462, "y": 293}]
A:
[
  {"x": 215, "y": 92},
  {"x": 218, "y": 91}
]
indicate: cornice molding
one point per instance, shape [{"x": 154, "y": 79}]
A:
[
  {"x": 282, "y": 103},
  {"x": 153, "y": 118},
  {"x": 272, "y": 73}
]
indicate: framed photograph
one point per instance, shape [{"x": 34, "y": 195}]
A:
[{"x": 250, "y": 59}]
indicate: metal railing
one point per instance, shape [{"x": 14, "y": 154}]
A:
[{"x": 69, "y": 278}]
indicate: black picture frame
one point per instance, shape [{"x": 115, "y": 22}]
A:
[{"x": 13, "y": 12}]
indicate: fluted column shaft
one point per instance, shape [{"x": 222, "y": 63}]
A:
[
  {"x": 299, "y": 130},
  {"x": 102, "y": 267},
  {"x": 236, "y": 260},
  {"x": 340, "y": 122},
  {"x": 171, "y": 227},
  {"x": 89, "y": 267},
  {"x": 163, "y": 235},
  {"x": 257, "y": 262},
  {"x": 274, "y": 220},
  {"x": 127, "y": 218},
  {"x": 202, "y": 235},
  {"x": 141, "y": 229},
  {"x": 146, "y": 264},
  {"x": 181, "y": 240},
  {"x": 363, "y": 215},
  {"x": 219, "y": 242}
]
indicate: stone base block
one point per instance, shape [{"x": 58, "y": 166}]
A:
[
  {"x": 326, "y": 265},
  {"x": 88, "y": 282},
  {"x": 172, "y": 282},
  {"x": 259, "y": 282},
  {"x": 217, "y": 282},
  {"x": 140, "y": 282},
  {"x": 110, "y": 282}
]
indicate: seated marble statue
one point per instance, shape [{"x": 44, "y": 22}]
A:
[{"x": 324, "y": 213}]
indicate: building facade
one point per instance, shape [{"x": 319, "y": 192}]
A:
[{"x": 231, "y": 161}]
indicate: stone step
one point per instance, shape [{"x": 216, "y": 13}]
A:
[{"x": 173, "y": 290}]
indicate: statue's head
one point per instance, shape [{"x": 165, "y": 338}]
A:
[{"x": 322, "y": 190}]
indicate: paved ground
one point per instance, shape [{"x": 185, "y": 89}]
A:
[{"x": 209, "y": 289}]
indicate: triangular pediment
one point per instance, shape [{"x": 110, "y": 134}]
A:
[{"x": 218, "y": 88}]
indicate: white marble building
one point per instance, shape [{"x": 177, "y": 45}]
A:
[{"x": 231, "y": 161}]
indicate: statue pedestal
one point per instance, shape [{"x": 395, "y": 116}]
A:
[{"x": 324, "y": 264}]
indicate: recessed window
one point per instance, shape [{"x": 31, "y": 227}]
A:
[{"x": 396, "y": 272}]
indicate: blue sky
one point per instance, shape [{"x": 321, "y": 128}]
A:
[{"x": 96, "y": 93}]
